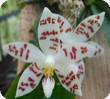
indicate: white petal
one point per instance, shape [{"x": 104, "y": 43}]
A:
[
  {"x": 24, "y": 51},
  {"x": 88, "y": 27},
  {"x": 66, "y": 31},
  {"x": 1, "y": 96},
  {"x": 76, "y": 51},
  {"x": 94, "y": 49},
  {"x": 48, "y": 86},
  {"x": 77, "y": 67},
  {"x": 48, "y": 30},
  {"x": 29, "y": 80},
  {"x": 68, "y": 78},
  {"x": 79, "y": 70},
  {"x": 84, "y": 31}
]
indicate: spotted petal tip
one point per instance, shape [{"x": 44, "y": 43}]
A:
[
  {"x": 46, "y": 9},
  {"x": 103, "y": 13},
  {"x": 98, "y": 50},
  {"x": 78, "y": 92}
]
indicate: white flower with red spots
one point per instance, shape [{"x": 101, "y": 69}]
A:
[{"x": 58, "y": 54}]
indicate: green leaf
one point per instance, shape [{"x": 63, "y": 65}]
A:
[
  {"x": 88, "y": 2},
  {"x": 58, "y": 93}
]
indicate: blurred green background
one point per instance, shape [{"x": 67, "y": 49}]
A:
[{"x": 9, "y": 22}]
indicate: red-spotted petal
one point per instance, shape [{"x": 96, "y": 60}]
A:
[
  {"x": 29, "y": 80},
  {"x": 48, "y": 30},
  {"x": 84, "y": 31},
  {"x": 26, "y": 52},
  {"x": 68, "y": 78},
  {"x": 81, "y": 70},
  {"x": 88, "y": 27},
  {"x": 66, "y": 31},
  {"x": 77, "y": 51}
]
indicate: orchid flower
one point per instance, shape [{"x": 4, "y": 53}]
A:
[
  {"x": 81, "y": 35},
  {"x": 83, "y": 32},
  {"x": 75, "y": 45},
  {"x": 54, "y": 57}
]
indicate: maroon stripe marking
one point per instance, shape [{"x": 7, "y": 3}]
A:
[
  {"x": 71, "y": 55},
  {"x": 65, "y": 52},
  {"x": 43, "y": 38},
  {"x": 91, "y": 29},
  {"x": 53, "y": 48}
]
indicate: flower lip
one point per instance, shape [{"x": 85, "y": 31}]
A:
[{"x": 48, "y": 86}]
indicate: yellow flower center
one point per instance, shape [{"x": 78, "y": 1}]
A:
[{"x": 48, "y": 71}]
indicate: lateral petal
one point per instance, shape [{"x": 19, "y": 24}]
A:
[{"x": 29, "y": 80}]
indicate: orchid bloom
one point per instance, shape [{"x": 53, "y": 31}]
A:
[
  {"x": 55, "y": 57},
  {"x": 80, "y": 36},
  {"x": 73, "y": 43}
]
